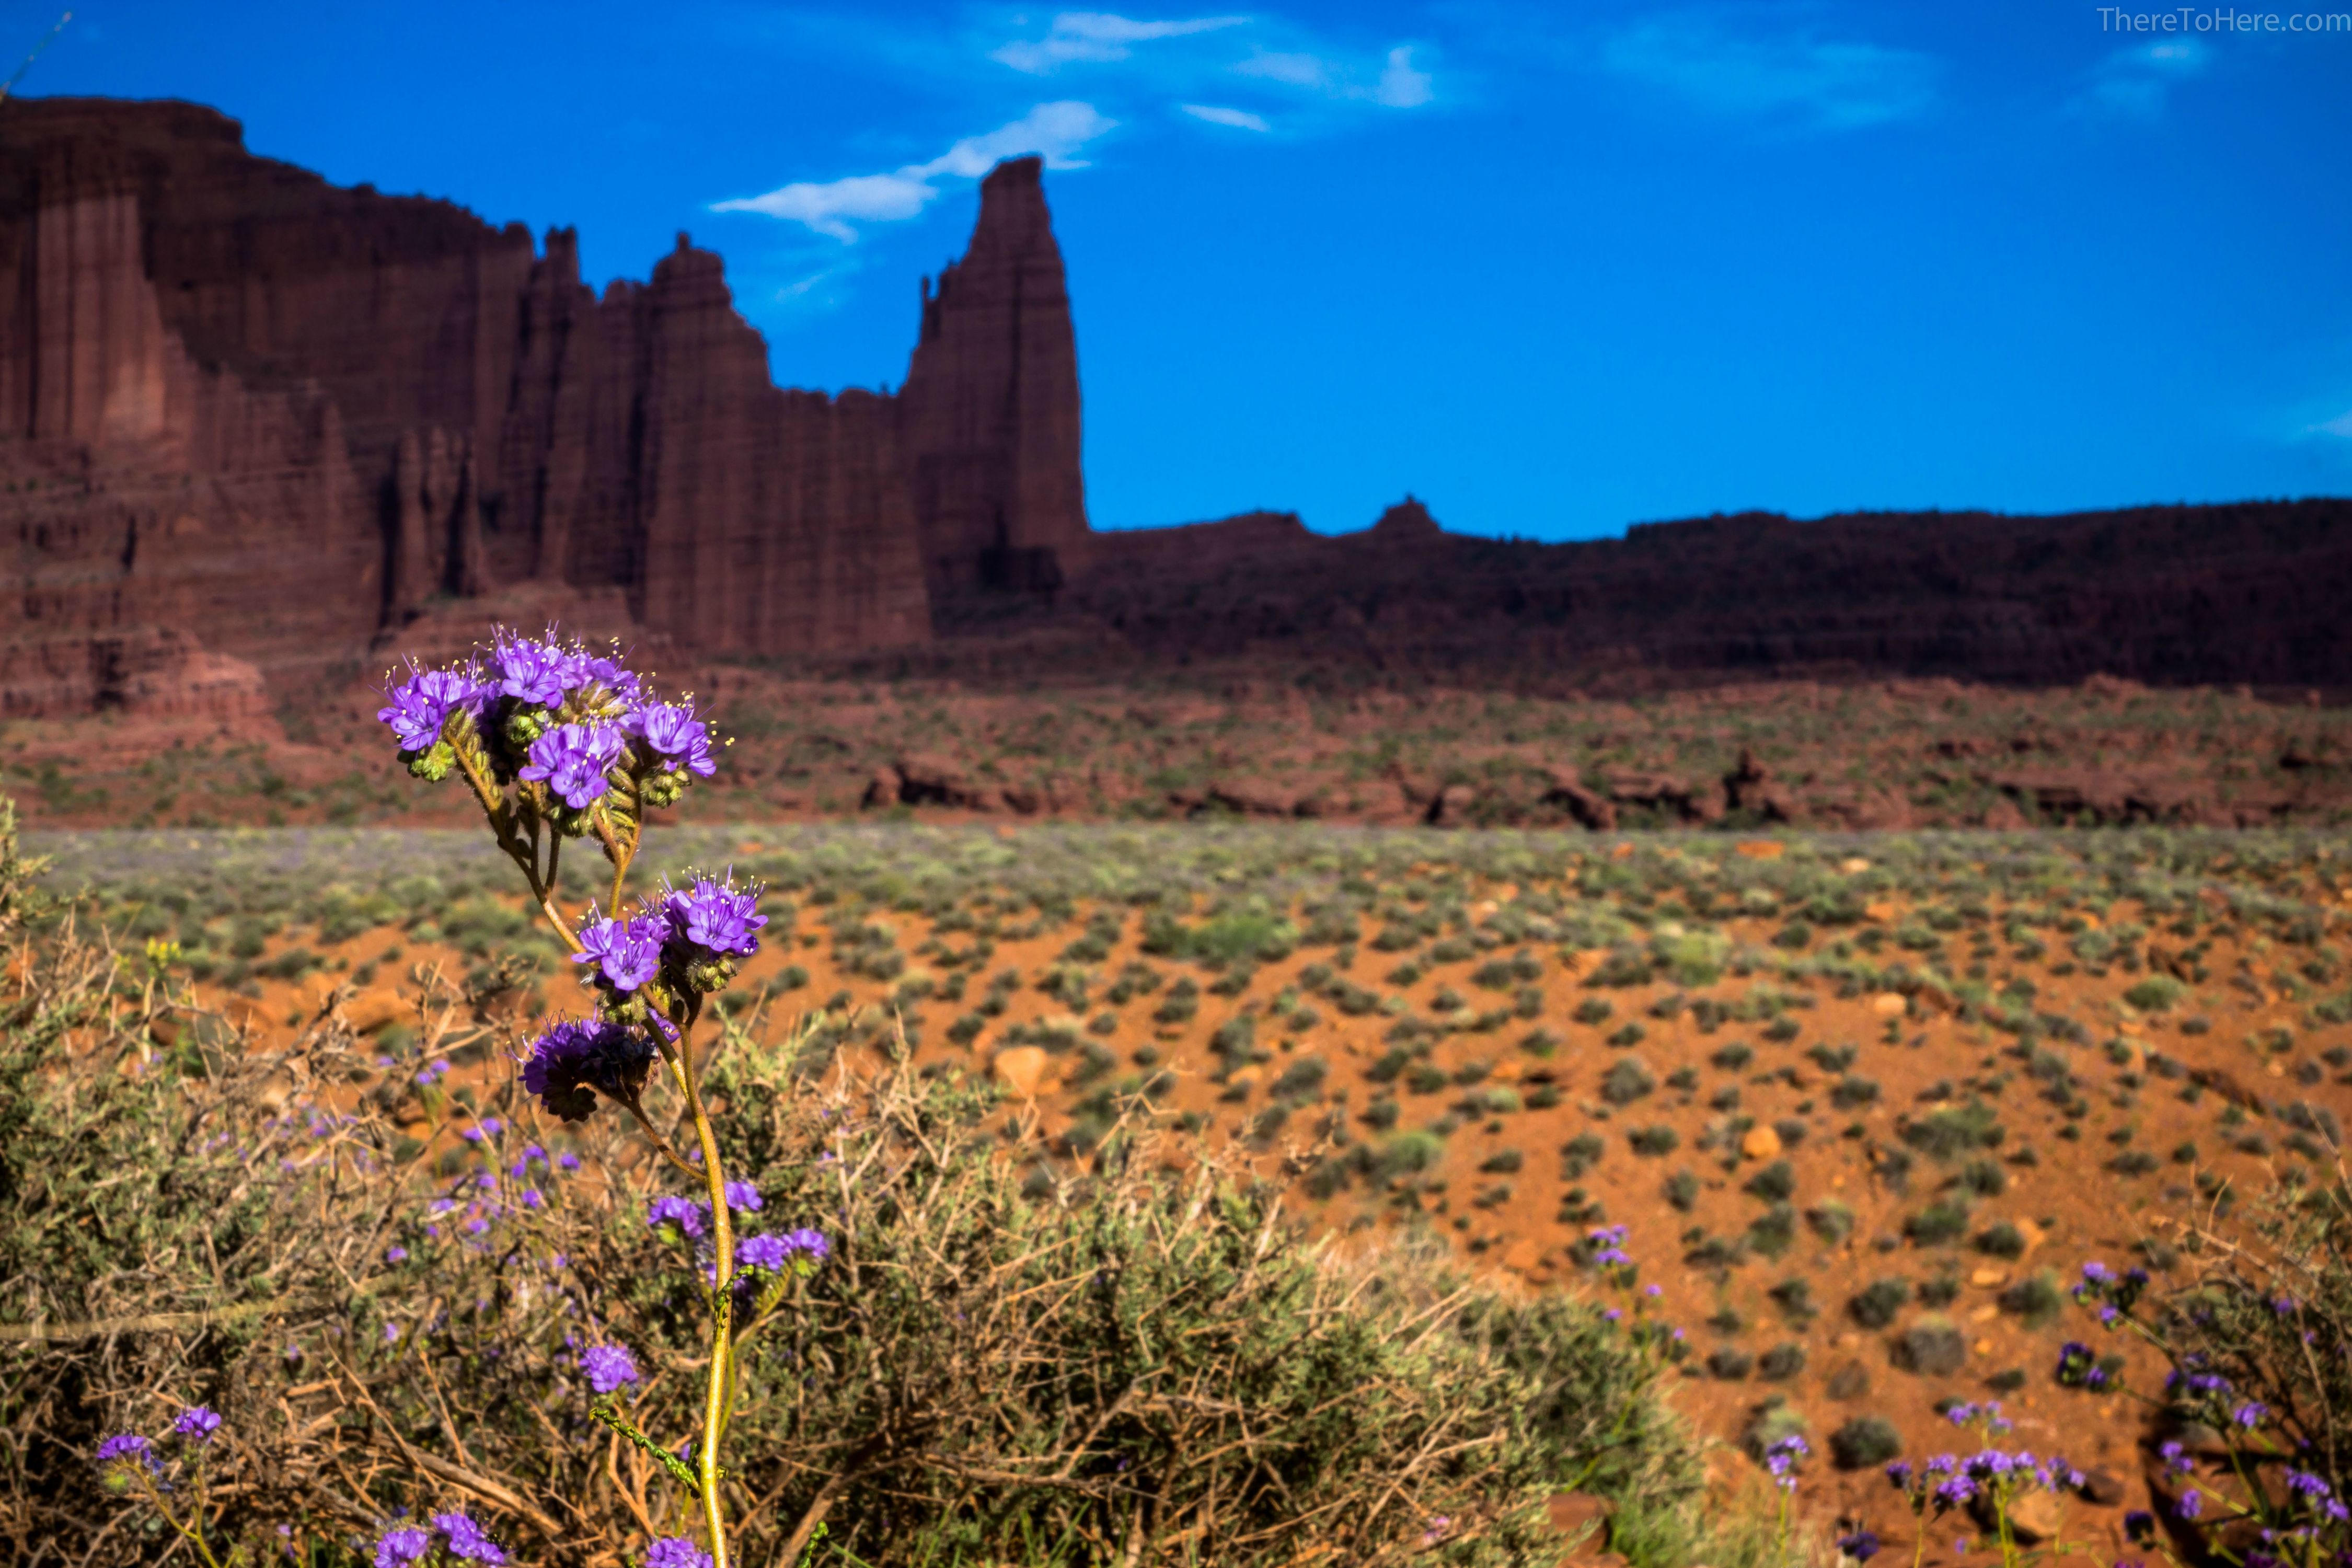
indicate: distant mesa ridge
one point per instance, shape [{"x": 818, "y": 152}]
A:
[{"x": 255, "y": 428}]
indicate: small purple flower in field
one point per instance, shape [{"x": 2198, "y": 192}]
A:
[
  {"x": 742, "y": 1197},
  {"x": 760, "y": 1252},
  {"x": 684, "y": 1214},
  {"x": 2191, "y": 1504},
  {"x": 2097, "y": 1273},
  {"x": 1862, "y": 1545},
  {"x": 1438, "y": 1525},
  {"x": 1960, "y": 1547},
  {"x": 716, "y": 916},
  {"x": 395, "y": 1254},
  {"x": 809, "y": 1245},
  {"x": 399, "y": 1548},
  {"x": 2249, "y": 1413},
  {"x": 675, "y": 1552},
  {"x": 529, "y": 670},
  {"x": 675, "y": 737},
  {"x": 391, "y": 1332},
  {"x": 612, "y": 675},
  {"x": 124, "y": 1446},
  {"x": 608, "y": 1367},
  {"x": 2176, "y": 1459},
  {"x": 1611, "y": 1315},
  {"x": 570, "y": 759},
  {"x": 626, "y": 952},
  {"x": 418, "y": 706},
  {"x": 196, "y": 1424},
  {"x": 1956, "y": 1491},
  {"x": 467, "y": 1542},
  {"x": 567, "y": 1160},
  {"x": 1898, "y": 1475},
  {"x": 2303, "y": 1483}
]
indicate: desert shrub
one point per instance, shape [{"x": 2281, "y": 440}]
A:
[
  {"x": 957, "y": 1358},
  {"x": 1955, "y": 1130},
  {"x": 1774, "y": 1183},
  {"x": 2001, "y": 1239},
  {"x": 1875, "y": 1304},
  {"x": 1680, "y": 1191},
  {"x": 1830, "y": 1220},
  {"x": 1932, "y": 1347},
  {"x": 1864, "y": 1443},
  {"x": 1937, "y": 1223},
  {"x": 1626, "y": 1081},
  {"x": 2156, "y": 993},
  {"x": 1655, "y": 1141},
  {"x": 1781, "y": 1363}
]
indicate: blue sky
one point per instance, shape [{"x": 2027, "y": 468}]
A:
[{"x": 1555, "y": 270}]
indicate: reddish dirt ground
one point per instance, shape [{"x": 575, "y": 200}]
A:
[{"x": 2101, "y": 1170}]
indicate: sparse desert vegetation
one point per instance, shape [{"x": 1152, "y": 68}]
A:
[{"x": 1420, "y": 1042}]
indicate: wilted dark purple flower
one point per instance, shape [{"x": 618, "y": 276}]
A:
[
  {"x": 572, "y": 759},
  {"x": 399, "y": 1548},
  {"x": 675, "y": 737},
  {"x": 467, "y": 1542},
  {"x": 1862, "y": 1545},
  {"x": 529, "y": 670},
  {"x": 196, "y": 1424},
  {"x": 608, "y": 1367},
  {"x": 716, "y": 916},
  {"x": 578, "y": 1056},
  {"x": 675, "y": 1552},
  {"x": 418, "y": 706},
  {"x": 627, "y": 951},
  {"x": 684, "y": 1213}
]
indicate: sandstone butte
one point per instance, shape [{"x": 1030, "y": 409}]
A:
[
  {"x": 257, "y": 429},
  {"x": 253, "y": 424}
]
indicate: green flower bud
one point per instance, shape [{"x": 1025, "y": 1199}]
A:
[
  {"x": 664, "y": 788},
  {"x": 526, "y": 725},
  {"x": 433, "y": 764}
]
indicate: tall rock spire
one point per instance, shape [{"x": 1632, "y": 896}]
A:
[{"x": 988, "y": 420}]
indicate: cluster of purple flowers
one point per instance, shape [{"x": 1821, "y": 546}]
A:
[
  {"x": 2078, "y": 1367},
  {"x": 795, "y": 1250},
  {"x": 193, "y": 1426},
  {"x": 2112, "y": 1294},
  {"x": 404, "y": 1545},
  {"x": 565, "y": 716},
  {"x": 608, "y": 1367},
  {"x": 1781, "y": 1460},
  {"x": 1607, "y": 1244},
  {"x": 688, "y": 930},
  {"x": 689, "y": 1218},
  {"x": 675, "y": 1552}
]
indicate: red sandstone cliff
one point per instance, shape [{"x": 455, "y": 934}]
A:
[
  {"x": 988, "y": 420},
  {"x": 244, "y": 410}
]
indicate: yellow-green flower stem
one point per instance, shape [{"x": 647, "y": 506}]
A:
[
  {"x": 193, "y": 1530},
  {"x": 723, "y": 1242},
  {"x": 523, "y": 851}
]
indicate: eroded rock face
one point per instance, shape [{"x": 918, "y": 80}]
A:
[
  {"x": 281, "y": 420},
  {"x": 989, "y": 417}
]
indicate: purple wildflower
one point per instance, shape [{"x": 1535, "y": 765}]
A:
[
  {"x": 2191, "y": 1504},
  {"x": 674, "y": 735},
  {"x": 575, "y": 1057},
  {"x": 675, "y": 1552},
  {"x": 399, "y": 1548},
  {"x": 572, "y": 759},
  {"x": 683, "y": 1213},
  {"x": 716, "y": 916},
  {"x": 529, "y": 670},
  {"x": 1898, "y": 1474},
  {"x": 125, "y": 1445},
  {"x": 2249, "y": 1413},
  {"x": 196, "y": 1424},
  {"x": 608, "y": 1367},
  {"x": 395, "y": 1254},
  {"x": 467, "y": 1542},
  {"x": 611, "y": 675},
  {"x": 2304, "y": 1484},
  {"x": 2138, "y": 1524},
  {"x": 743, "y": 1198},
  {"x": 1862, "y": 1545},
  {"x": 418, "y": 706},
  {"x": 626, "y": 952}
]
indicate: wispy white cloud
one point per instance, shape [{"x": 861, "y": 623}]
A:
[
  {"x": 1217, "y": 114},
  {"x": 1097, "y": 36},
  {"x": 1399, "y": 85},
  {"x": 2339, "y": 426},
  {"x": 1056, "y": 130},
  {"x": 2136, "y": 82},
  {"x": 1819, "y": 83}
]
